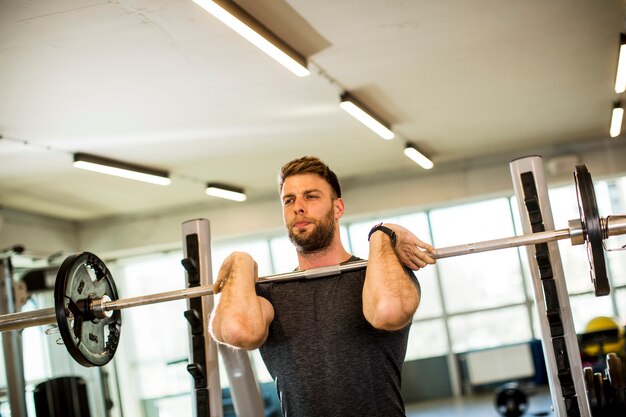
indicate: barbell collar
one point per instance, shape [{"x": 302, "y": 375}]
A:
[
  {"x": 98, "y": 307},
  {"x": 613, "y": 225},
  {"x": 577, "y": 235}
]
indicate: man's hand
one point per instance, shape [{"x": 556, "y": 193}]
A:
[
  {"x": 239, "y": 264},
  {"x": 240, "y": 318},
  {"x": 411, "y": 251}
]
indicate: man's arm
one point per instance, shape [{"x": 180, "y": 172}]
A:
[
  {"x": 390, "y": 297},
  {"x": 240, "y": 318}
]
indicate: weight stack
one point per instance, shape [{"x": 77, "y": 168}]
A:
[{"x": 62, "y": 397}]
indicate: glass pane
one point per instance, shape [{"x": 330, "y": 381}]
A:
[
  {"x": 587, "y": 306},
  {"x": 616, "y": 264},
  {"x": 417, "y": 223},
  {"x": 617, "y": 260},
  {"x": 489, "y": 328},
  {"x": 481, "y": 280},
  {"x": 427, "y": 339},
  {"x": 151, "y": 324},
  {"x": 358, "y": 235},
  {"x": 574, "y": 258},
  {"x": 564, "y": 205},
  {"x": 345, "y": 239},
  {"x": 181, "y": 405},
  {"x": 258, "y": 249},
  {"x": 160, "y": 379},
  {"x": 430, "y": 305},
  {"x": 284, "y": 255}
]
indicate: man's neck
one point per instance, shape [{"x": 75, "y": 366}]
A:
[{"x": 333, "y": 255}]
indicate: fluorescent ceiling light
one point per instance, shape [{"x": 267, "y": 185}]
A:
[
  {"x": 620, "y": 77},
  {"x": 365, "y": 116},
  {"x": 616, "y": 120},
  {"x": 225, "y": 191},
  {"x": 121, "y": 169},
  {"x": 241, "y": 22},
  {"x": 418, "y": 157}
]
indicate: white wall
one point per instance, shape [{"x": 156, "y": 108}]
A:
[
  {"x": 364, "y": 198},
  {"x": 40, "y": 235}
]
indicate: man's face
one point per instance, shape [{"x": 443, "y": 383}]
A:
[{"x": 309, "y": 212}]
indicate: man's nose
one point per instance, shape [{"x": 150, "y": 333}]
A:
[{"x": 298, "y": 207}]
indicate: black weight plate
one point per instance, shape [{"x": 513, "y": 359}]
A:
[
  {"x": 588, "y": 210},
  {"x": 91, "y": 341},
  {"x": 511, "y": 401},
  {"x": 590, "y": 386},
  {"x": 600, "y": 390},
  {"x": 615, "y": 373}
]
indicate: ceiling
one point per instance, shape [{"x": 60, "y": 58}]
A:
[{"x": 162, "y": 83}]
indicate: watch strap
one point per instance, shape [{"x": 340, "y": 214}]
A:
[{"x": 389, "y": 232}]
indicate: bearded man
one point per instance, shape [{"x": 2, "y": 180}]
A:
[{"x": 334, "y": 345}]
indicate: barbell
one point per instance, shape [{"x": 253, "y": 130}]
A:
[{"x": 88, "y": 310}]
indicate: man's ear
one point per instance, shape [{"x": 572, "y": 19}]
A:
[{"x": 339, "y": 208}]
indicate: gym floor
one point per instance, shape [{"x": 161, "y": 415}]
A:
[{"x": 539, "y": 404}]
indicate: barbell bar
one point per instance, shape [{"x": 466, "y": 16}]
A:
[
  {"x": 88, "y": 311},
  {"x": 614, "y": 225}
]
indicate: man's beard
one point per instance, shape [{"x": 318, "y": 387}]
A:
[{"x": 320, "y": 238}]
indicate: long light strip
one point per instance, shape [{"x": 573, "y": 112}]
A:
[
  {"x": 418, "y": 157},
  {"x": 365, "y": 116},
  {"x": 620, "y": 76},
  {"x": 616, "y": 120},
  {"x": 241, "y": 22},
  {"x": 225, "y": 191},
  {"x": 120, "y": 169}
]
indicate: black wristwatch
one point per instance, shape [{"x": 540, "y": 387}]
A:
[{"x": 385, "y": 230}]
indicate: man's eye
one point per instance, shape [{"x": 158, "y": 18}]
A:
[{"x": 288, "y": 201}]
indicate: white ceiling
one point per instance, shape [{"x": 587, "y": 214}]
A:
[{"x": 164, "y": 84}]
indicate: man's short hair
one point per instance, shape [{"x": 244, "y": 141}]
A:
[{"x": 309, "y": 165}]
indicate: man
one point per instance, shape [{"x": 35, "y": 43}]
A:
[{"x": 334, "y": 345}]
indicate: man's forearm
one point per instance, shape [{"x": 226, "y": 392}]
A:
[
  {"x": 240, "y": 317},
  {"x": 390, "y": 298}
]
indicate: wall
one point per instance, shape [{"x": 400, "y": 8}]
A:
[{"x": 40, "y": 235}]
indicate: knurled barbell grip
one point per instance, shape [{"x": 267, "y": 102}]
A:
[{"x": 504, "y": 243}]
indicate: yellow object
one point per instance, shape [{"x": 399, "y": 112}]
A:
[{"x": 596, "y": 329}]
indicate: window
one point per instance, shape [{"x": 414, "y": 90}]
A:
[
  {"x": 480, "y": 301},
  {"x": 489, "y": 328},
  {"x": 587, "y": 306},
  {"x": 485, "y": 279},
  {"x": 156, "y": 336},
  {"x": 284, "y": 256},
  {"x": 574, "y": 258},
  {"x": 617, "y": 205},
  {"x": 427, "y": 339},
  {"x": 258, "y": 249}
]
